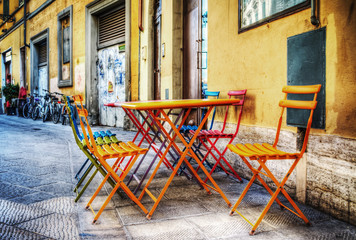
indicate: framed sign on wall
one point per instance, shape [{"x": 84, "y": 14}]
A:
[{"x": 253, "y": 13}]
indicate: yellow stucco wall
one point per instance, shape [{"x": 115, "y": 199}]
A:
[
  {"x": 167, "y": 40},
  {"x": 145, "y": 46},
  {"x": 257, "y": 60},
  {"x": 14, "y": 41},
  {"x": 134, "y": 50},
  {"x": 48, "y": 19}
]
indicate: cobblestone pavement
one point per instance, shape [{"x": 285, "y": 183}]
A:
[{"x": 38, "y": 162}]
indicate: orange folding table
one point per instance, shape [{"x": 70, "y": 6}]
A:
[{"x": 157, "y": 113}]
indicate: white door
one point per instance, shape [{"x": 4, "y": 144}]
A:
[
  {"x": 42, "y": 80},
  {"x": 111, "y": 85}
]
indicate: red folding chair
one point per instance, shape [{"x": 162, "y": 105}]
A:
[{"x": 209, "y": 138}]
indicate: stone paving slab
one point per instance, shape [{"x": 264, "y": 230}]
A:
[
  {"x": 13, "y": 213},
  {"x": 37, "y": 199},
  {"x": 55, "y": 226},
  {"x": 175, "y": 229},
  {"x": 8, "y": 191},
  {"x": 32, "y": 198},
  {"x": 13, "y": 232}
]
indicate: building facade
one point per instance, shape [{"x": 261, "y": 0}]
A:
[
  {"x": 71, "y": 47},
  {"x": 262, "y": 45},
  {"x": 112, "y": 50}
]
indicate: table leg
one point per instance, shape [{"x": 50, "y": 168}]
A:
[{"x": 182, "y": 158}]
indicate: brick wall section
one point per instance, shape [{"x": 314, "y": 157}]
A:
[{"x": 331, "y": 168}]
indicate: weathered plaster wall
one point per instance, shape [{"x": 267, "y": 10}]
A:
[
  {"x": 146, "y": 52},
  {"x": 135, "y": 48},
  {"x": 167, "y": 40},
  {"x": 48, "y": 19},
  {"x": 257, "y": 60},
  {"x": 13, "y": 41}
]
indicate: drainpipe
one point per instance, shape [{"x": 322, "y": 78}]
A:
[
  {"x": 313, "y": 19},
  {"x": 24, "y": 36}
]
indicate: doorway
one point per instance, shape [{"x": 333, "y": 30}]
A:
[
  {"x": 39, "y": 63},
  {"x": 192, "y": 49},
  {"x": 107, "y": 39},
  {"x": 111, "y": 65}
]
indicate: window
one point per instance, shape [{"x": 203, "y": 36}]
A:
[
  {"x": 266, "y": 11},
  {"x": 65, "y": 47}
]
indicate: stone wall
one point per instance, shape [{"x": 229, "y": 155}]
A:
[{"x": 330, "y": 168}]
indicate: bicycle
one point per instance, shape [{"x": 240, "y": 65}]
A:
[
  {"x": 64, "y": 111},
  {"x": 41, "y": 107},
  {"x": 49, "y": 109},
  {"x": 30, "y": 105},
  {"x": 56, "y": 114}
]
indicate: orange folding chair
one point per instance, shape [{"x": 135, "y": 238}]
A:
[
  {"x": 261, "y": 153},
  {"x": 125, "y": 154},
  {"x": 209, "y": 138}
]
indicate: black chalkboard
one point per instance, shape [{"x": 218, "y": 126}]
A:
[{"x": 306, "y": 66}]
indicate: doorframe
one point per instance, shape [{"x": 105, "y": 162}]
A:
[
  {"x": 38, "y": 38},
  {"x": 3, "y": 75},
  {"x": 199, "y": 61},
  {"x": 198, "y": 74},
  {"x": 157, "y": 19},
  {"x": 92, "y": 11}
]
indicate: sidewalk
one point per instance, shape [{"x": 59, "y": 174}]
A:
[{"x": 38, "y": 162}]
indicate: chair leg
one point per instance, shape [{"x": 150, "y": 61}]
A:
[
  {"x": 273, "y": 194},
  {"x": 217, "y": 162},
  {"x": 208, "y": 151},
  {"x": 106, "y": 202},
  {"x": 265, "y": 210},
  {"x": 243, "y": 193},
  {"x": 85, "y": 186},
  {"x": 82, "y": 178},
  {"x": 284, "y": 192},
  {"x": 221, "y": 157},
  {"x": 98, "y": 190},
  {"x": 80, "y": 169}
]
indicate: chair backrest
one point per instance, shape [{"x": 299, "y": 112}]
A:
[
  {"x": 71, "y": 115},
  {"x": 206, "y": 95},
  {"x": 87, "y": 132},
  {"x": 73, "y": 123},
  {"x": 298, "y": 104},
  {"x": 240, "y": 94}
]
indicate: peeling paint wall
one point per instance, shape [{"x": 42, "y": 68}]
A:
[{"x": 111, "y": 85}]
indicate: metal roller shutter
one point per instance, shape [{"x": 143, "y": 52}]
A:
[
  {"x": 42, "y": 54},
  {"x": 111, "y": 28}
]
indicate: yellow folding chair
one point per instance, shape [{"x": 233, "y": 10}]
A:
[
  {"x": 125, "y": 153},
  {"x": 264, "y": 152}
]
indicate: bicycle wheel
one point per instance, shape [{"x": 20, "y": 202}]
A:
[
  {"x": 35, "y": 113},
  {"x": 45, "y": 114},
  {"x": 64, "y": 115},
  {"x": 56, "y": 113},
  {"x": 25, "y": 110}
]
